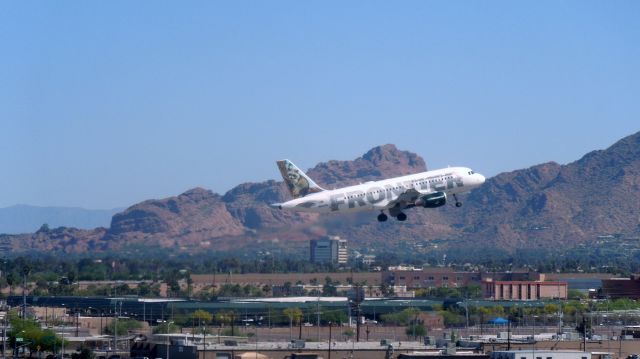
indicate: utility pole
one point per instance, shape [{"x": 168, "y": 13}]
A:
[
  {"x": 509, "y": 333},
  {"x": 62, "y": 354},
  {"x": 466, "y": 312},
  {"x": 25, "y": 271},
  {"x": 330, "y": 340},
  {"x": 4, "y": 337},
  {"x": 77, "y": 320},
  {"x": 318, "y": 316},
  {"x": 115, "y": 328},
  {"x": 358, "y": 322},
  {"x": 584, "y": 333}
]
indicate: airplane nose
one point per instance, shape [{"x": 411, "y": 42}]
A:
[{"x": 481, "y": 178}]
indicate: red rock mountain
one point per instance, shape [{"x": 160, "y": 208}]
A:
[{"x": 547, "y": 204}]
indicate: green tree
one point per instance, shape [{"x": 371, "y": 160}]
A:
[
  {"x": 123, "y": 326},
  {"x": 227, "y": 317},
  {"x": 348, "y": 333},
  {"x": 416, "y": 330},
  {"x": 576, "y": 294},
  {"x": 32, "y": 334},
  {"x": 165, "y": 328},
  {"x": 336, "y": 316},
  {"x": 550, "y": 308},
  {"x": 202, "y": 317},
  {"x": 451, "y": 318},
  {"x": 403, "y": 317},
  {"x": 295, "y": 316},
  {"x": 329, "y": 288}
]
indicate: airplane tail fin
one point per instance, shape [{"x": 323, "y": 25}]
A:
[{"x": 298, "y": 182}]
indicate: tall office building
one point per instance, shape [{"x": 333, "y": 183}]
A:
[{"x": 329, "y": 250}]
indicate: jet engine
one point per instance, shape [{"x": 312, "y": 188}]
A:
[{"x": 432, "y": 200}]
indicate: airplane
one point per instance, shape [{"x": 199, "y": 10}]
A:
[{"x": 426, "y": 189}]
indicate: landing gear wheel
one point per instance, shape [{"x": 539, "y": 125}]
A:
[
  {"x": 401, "y": 217},
  {"x": 458, "y": 203},
  {"x": 382, "y": 217}
]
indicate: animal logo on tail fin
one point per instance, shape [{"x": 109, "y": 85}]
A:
[{"x": 298, "y": 182}]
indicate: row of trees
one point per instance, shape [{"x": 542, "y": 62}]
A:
[
  {"x": 160, "y": 268},
  {"x": 28, "y": 333},
  {"x": 125, "y": 264}
]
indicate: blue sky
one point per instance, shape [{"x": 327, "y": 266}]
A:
[{"x": 104, "y": 104}]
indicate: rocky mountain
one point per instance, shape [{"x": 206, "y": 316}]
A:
[
  {"x": 380, "y": 162},
  {"x": 596, "y": 195},
  {"x": 541, "y": 206}
]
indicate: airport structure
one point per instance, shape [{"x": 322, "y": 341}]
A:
[
  {"x": 329, "y": 250},
  {"x": 523, "y": 290},
  {"x": 615, "y": 288},
  {"x": 539, "y": 354},
  {"x": 446, "y": 277},
  {"x": 495, "y": 285},
  {"x": 437, "y": 277},
  {"x": 403, "y": 280}
]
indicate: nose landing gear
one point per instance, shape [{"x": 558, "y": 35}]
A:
[
  {"x": 382, "y": 217},
  {"x": 458, "y": 203}
]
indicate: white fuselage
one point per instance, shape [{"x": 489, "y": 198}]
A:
[{"x": 384, "y": 194}]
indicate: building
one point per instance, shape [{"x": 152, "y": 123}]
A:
[
  {"x": 615, "y": 288},
  {"x": 523, "y": 289},
  {"x": 445, "y": 277},
  {"x": 519, "y": 285},
  {"x": 540, "y": 354},
  {"x": 329, "y": 250},
  {"x": 415, "y": 278}
]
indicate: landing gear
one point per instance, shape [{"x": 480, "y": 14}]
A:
[
  {"x": 458, "y": 203},
  {"x": 396, "y": 211},
  {"x": 382, "y": 217}
]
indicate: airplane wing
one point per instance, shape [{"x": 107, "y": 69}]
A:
[{"x": 408, "y": 197}]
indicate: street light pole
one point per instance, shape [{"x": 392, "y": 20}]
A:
[
  {"x": 330, "y": 340},
  {"x": 62, "y": 345},
  {"x": 64, "y": 312},
  {"x": 15, "y": 344},
  {"x": 4, "y": 338},
  {"x": 466, "y": 312},
  {"x": 168, "y": 340}
]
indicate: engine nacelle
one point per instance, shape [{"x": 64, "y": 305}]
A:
[{"x": 432, "y": 200}]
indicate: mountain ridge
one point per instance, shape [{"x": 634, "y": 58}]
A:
[
  {"x": 533, "y": 207},
  {"x": 23, "y": 218}
]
